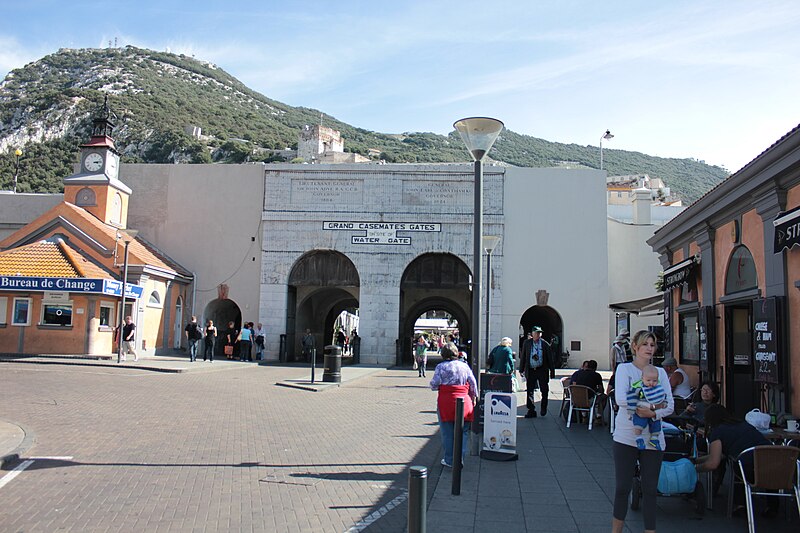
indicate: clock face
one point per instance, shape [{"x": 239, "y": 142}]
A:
[
  {"x": 93, "y": 162},
  {"x": 112, "y": 165}
]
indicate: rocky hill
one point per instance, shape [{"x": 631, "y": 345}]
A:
[{"x": 46, "y": 109}]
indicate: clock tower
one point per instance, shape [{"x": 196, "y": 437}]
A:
[{"x": 96, "y": 187}]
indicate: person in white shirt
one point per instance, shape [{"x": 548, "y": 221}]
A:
[
  {"x": 678, "y": 379},
  {"x": 626, "y": 452}
]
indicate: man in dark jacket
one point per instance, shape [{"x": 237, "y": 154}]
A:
[{"x": 538, "y": 366}]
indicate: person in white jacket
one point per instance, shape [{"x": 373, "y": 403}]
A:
[{"x": 626, "y": 452}]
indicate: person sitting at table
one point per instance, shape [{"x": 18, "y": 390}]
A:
[
  {"x": 589, "y": 377},
  {"x": 727, "y": 438},
  {"x": 709, "y": 395},
  {"x": 678, "y": 379}
]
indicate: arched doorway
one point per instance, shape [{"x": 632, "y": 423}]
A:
[
  {"x": 322, "y": 284},
  {"x": 222, "y": 312},
  {"x": 177, "y": 329},
  {"x": 546, "y": 318},
  {"x": 433, "y": 282}
]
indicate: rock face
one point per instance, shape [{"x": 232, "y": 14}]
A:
[{"x": 160, "y": 99}]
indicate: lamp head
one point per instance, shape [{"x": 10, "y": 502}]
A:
[
  {"x": 128, "y": 235},
  {"x": 608, "y": 135},
  {"x": 18, "y": 152},
  {"x": 490, "y": 242},
  {"x": 478, "y": 134}
]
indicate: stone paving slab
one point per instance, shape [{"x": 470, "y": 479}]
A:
[{"x": 12, "y": 439}]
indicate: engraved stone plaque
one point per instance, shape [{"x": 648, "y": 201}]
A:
[{"x": 322, "y": 191}]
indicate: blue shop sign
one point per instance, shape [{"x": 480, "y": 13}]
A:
[
  {"x": 113, "y": 287},
  {"x": 101, "y": 286}
]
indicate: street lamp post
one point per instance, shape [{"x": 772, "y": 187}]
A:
[
  {"x": 607, "y": 136},
  {"x": 478, "y": 134},
  {"x": 490, "y": 242},
  {"x": 127, "y": 235},
  {"x": 17, "y": 153}
]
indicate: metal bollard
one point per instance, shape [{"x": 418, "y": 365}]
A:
[
  {"x": 458, "y": 432},
  {"x": 417, "y": 498},
  {"x": 313, "y": 363}
]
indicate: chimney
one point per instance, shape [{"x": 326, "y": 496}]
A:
[{"x": 641, "y": 206}]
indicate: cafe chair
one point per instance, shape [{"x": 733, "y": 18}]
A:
[
  {"x": 581, "y": 399},
  {"x": 613, "y": 409},
  {"x": 565, "y": 397},
  {"x": 776, "y": 473}
]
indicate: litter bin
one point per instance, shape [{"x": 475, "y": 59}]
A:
[{"x": 333, "y": 364}]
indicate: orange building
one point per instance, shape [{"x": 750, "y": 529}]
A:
[
  {"x": 732, "y": 283},
  {"x": 60, "y": 275}
]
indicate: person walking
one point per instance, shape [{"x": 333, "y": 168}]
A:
[
  {"x": 246, "y": 343},
  {"x": 421, "y": 354},
  {"x": 501, "y": 358},
  {"x": 260, "y": 335},
  {"x": 128, "y": 340},
  {"x": 308, "y": 345},
  {"x": 211, "y": 337},
  {"x": 231, "y": 335},
  {"x": 538, "y": 368},
  {"x": 453, "y": 379},
  {"x": 193, "y": 336},
  {"x": 618, "y": 353},
  {"x": 625, "y": 450}
]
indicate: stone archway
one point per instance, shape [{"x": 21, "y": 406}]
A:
[
  {"x": 546, "y": 318},
  {"x": 429, "y": 282},
  {"x": 222, "y": 312},
  {"x": 322, "y": 284}
]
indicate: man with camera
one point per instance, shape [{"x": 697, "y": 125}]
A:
[{"x": 538, "y": 367}]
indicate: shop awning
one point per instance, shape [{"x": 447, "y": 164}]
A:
[
  {"x": 787, "y": 230},
  {"x": 679, "y": 273},
  {"x": 651, "y": 304}
]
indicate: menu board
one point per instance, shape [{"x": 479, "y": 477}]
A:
[
  {"x": 706, "y": 332},
  {"x": 668, "y": 323},
  {"x": 765, "y": 339}
]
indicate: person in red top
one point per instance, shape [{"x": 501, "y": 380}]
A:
[{"x": 453, "y": 379}]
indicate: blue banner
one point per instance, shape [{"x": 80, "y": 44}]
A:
[{"x": 101, "y": 286}]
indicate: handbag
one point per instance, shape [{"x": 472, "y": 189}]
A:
[
  {"x": 514, "y": 384},
  {"x": 228, "y": 349},
  {"x": 677, "y": 477},
  {"x": 758, "y": 420}
]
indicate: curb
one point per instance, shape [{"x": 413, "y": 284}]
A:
[
  {"x": 97, "y": 364},
  {"x": 25, "y": 445}
]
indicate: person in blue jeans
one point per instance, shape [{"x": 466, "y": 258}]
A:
[
  {"x": 245, "y": 342},
  {"x": 193, "y": 336},
  {"x": 453, "y": 379}
]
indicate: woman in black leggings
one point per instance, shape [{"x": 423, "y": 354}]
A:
[{"x": 626, "y": 451}]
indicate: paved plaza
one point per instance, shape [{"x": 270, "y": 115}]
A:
[{"x": 223, "y": 448}]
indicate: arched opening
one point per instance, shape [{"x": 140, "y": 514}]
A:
[
  {"x": 323, "y": 284},
  {"x": 433, "y": 283},
  {"x": 222, "y": 312},
  {"x": 549, "y": 320}
]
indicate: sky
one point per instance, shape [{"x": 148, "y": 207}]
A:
[{"x": 716, "y": 80}]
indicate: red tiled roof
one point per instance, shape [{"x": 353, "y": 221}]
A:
[{"x": 50, "y": 259}]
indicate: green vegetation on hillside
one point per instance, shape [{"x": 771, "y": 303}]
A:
[{"x": 156, "y": 95}]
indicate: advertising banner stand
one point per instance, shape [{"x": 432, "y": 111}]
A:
[{"x": 500, "y": 427}]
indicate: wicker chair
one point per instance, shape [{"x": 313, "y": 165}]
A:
[
  {"x": 775, "y": 469},
  {"x": 581, "y": 399}
]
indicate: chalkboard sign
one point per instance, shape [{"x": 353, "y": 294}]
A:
[
  {"x": 708, "y": 347},
  {"x": 491, "y": 383},
  {"x": 765, "y": 339},
  {"x": 668, "y": 323}
]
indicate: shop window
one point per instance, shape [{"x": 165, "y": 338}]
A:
[
  {"x": 689, "y": 339},
  {"x": 56, "y": 314},
  {"x": 3, "y": 311},
  {"x": 22, "y": 312},
  {"x": 106, "y": 314},
  {"x": 741, "y": 274}
]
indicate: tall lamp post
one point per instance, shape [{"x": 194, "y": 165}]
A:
[
  {"x": 478, "y": 134},
  {"x": 490, "y": 242},
  {"x": 127, "y": 235},
  {"x": 607, "y": 136},
  {"x": 17, "y": 153}
]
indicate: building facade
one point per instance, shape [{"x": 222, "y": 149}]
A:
[{"x": 732, "y": 283}]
